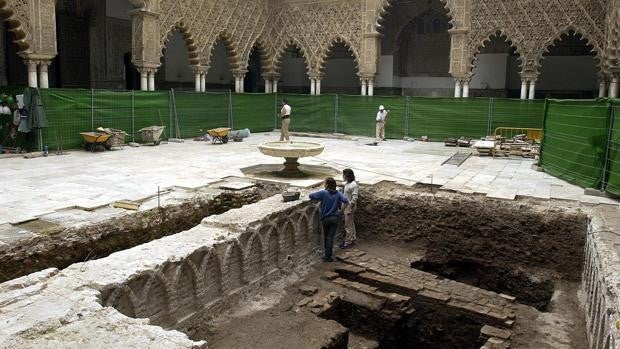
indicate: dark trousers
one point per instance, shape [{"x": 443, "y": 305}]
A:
[{"x": 330, "y": 224}]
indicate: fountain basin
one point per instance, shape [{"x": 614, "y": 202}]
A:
[{"x": 291, "y": 151}]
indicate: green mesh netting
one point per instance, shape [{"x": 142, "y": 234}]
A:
[
  {"x": 198, "y": 112},
  {"x": 516, "y": 113},
  {"x": 254, "y": 111},
  {"x": 310, "y": 113},
  {"x": 71, "y": 111},
  {"x": 441, "y": 118},
  {"x": 357, "y": 115},
  {"x": 575, "y": 139},
  {"x": 613, "y": 177}
]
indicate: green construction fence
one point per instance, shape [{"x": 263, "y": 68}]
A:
[
  {"x": 574, "y": 145},
  {"x": 613, "y": 151}
]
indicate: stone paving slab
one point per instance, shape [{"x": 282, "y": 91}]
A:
[{"x": 46, "y": 184}]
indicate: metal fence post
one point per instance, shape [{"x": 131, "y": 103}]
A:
[
  {"x": 170, "y": 113},
  {"x": 608, "y": 147},
  {"x": 407, "y": 116},
  {"x": 230, "y": 114},
  {"x": 133, "y": 117},
  {"x": 490, "y": 117},
  {"x": 92, "y": 109},
  {"x": 275, "y": 110},
  {"x": 336, "y": 115}
]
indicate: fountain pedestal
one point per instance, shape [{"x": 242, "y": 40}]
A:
[{"x": 291, "y": 168}]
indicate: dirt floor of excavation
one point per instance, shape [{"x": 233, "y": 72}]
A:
[{"x": 560, "y": 326}]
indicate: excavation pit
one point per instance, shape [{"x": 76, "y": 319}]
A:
[{"x": 429, "y": 271}]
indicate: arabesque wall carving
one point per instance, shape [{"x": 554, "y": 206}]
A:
[{"x": 530, "y": 25}]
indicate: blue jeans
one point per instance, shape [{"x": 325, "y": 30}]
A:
[{"x": 330, "y": 224}]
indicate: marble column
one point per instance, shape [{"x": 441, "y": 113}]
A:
[
  {"x": 43, "y": 74},
  {"x": 532, "y": 89},
  {"x": 317, "y": 88},
  {"x": 602, "y": 89},
  {"x": 32, "y": 74},
  {"x": 274, "y": 86},
  {"x": 523, "y": 88},
  {"x": 144, "y": 79},
  {"x": 197, "y": 75},
  {"x": 364, "y": 87},
  {"x": 457, "y": 88},
  {"x": 203, "y": 81},
  {"x": 466, "y": 88},
  {"x": 371, "y": 87},
  {"x": 237, "y": 85},
  {"x": 151, "y": 80},
  {"x": 312, "y": 86},
  {"x": 267, "y": 85},
  {"x": 613, "y": 86}
]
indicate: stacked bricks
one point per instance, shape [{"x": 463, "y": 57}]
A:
[{"x": 406, "y": 287}]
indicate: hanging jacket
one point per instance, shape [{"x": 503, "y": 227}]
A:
[{"x": 34, "y": 104}]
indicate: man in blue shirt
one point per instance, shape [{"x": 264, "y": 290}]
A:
[{"x": 331, "y": 202}]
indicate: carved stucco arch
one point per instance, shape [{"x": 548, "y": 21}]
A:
[
  {"x": 188, "y": 37},
  {"x": 449, "y": 5},
  {"x": 277, "y": 59},
  {"x": 266, "y": 60},
  {"x": 538, "y": 55},
  {"x": 18, "y": 23},
  {"x": 496, "y": 33},
  {"x": 145, "y": 5},
  {"x": 338, "y": 39},
  {"x": 232, "y": 52},
  {"x": 612, "y": 42}
]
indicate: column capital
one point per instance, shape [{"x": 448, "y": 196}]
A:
[
  {"x": 200, "y": 69},
  {"x": 143, "y": 13}
]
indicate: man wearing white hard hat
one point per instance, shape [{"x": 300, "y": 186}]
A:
[{"x": 381, "y": 119}]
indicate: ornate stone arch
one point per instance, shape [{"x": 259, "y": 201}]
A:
[
  {"x": 188, "y": 37},
  {"x": 277, "y": 60},
  {"x": 145, "y": 5},
  {"x": 232, "y": 51},
  {"x": 15, "y": 14},
  {"x": 265, "y": 58},
  {"x": 538, "y": 55},
  {"x": 499, "y": 33},
  {"x": 454, "y": 18},
  {"x": 338, "y": 39}
]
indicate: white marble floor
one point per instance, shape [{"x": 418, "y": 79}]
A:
[{"x": 34, "y": 187}]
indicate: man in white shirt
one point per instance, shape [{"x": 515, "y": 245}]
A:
[
  {"x": 285, "y": 118},
  {"x": 381, "y": 119}
]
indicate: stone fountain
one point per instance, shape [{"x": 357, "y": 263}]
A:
[{"x": 291, "y": 151}]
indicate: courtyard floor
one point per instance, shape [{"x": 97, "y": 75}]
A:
[{"x": 35, "y": 187}]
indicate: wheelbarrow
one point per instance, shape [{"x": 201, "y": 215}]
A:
[
  {"x": 95, "y": 141},
  {"x": 152, "y": 134},
  {"x": 219, "y": 134}
]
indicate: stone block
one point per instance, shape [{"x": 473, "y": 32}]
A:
[
  {"x": 507, "y": 297},
  {"x": 349, "y": 270},
  {"x": 308, "y": 290},
  {"x": 435, "y": 296},
  {"x": 330, "y": 275},
  {"x": 304, "y": 302},
  {"x": 491, "y": 331}
]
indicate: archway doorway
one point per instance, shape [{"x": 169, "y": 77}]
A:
[
  {"x": 253, "y": 81},
  {"x": 219, "y": 75},
  {"x": 496, "y": 69},
  {"x": 568, "y": 69},
  {"x": 415, "y": 50},
  {"x": 340, "y": 73},
  {"x": 293, "y": 71}
]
